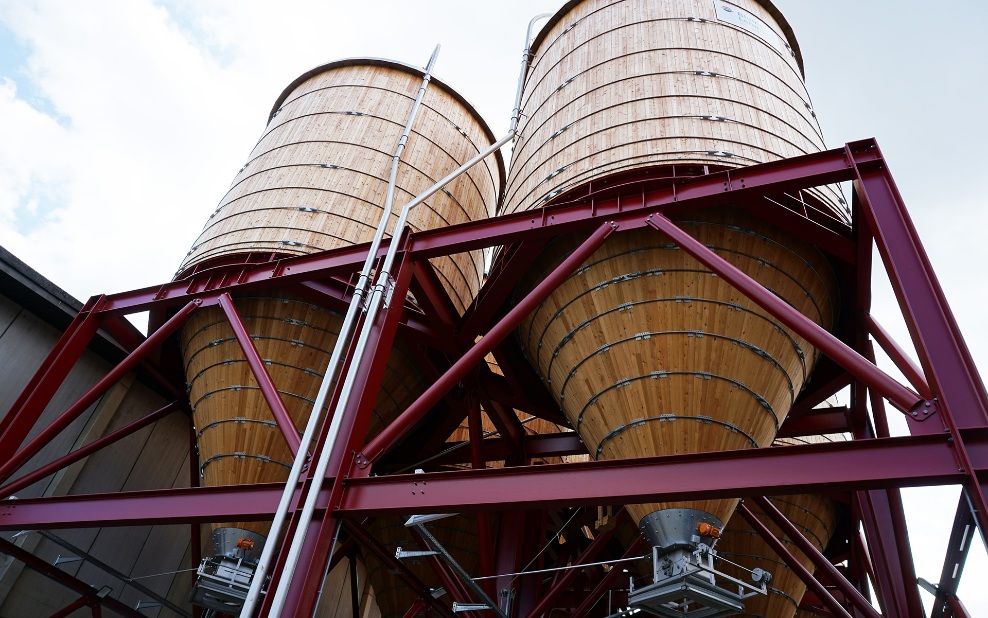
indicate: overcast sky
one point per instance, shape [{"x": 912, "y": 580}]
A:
[{"x": 123, "y": 122}]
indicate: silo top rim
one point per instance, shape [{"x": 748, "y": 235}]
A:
[
  {"x": 766, "y": 4},
  {"x": 399, "y": 66}
]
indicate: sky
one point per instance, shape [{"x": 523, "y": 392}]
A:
[{"x": 122, "y": 123}]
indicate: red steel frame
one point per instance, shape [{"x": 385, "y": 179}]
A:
[{"x": 947, "y": 413}]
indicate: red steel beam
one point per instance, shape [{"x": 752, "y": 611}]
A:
[
  {"x": 821, "y": 468},
  {"x": 905, "y": 364},
  {"x": 93, "y": 394},
  {"x": 393, "y": 432},
  {"x": 750, "y": 182},
  {"x": 207, "y": 287},
  {"x": 830, "y": 345},
  {"x": 85, "y": 451},
  {"x": 271, "y": 395},
  {"x": 498, "y": 287},
  {"x": 819, "y": 560},
  {"x": 888, "y": 540},
  {"x": 958, "y": 547},
  {"x": 797, "y": 567},
  {"x": 303, "y": 593},
  {"x": 949, "y": 367},
  {"x": 957, "y": 607},
  {"x": 942, "y": 351},
  {"x": 31, "y": 403},
  {"x": 434, "y": 298}
]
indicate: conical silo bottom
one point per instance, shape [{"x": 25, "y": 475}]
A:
[
  {"x": 815, "y": 516},
  {"x": 650, "y": 353},
  {"x": 237, "y": 437}
]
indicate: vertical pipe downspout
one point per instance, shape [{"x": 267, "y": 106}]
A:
[{"x": 346, "y": 330}]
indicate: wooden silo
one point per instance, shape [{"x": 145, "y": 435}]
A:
[
  {"x": 317, "y": 180},
  {"x": 645, "y": 349}
]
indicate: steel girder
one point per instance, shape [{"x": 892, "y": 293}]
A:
[{"x": 947, "y": 413}]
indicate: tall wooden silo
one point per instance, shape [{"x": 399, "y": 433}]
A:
[
  {"x": 646, "y": 350},
  {"x": 317, "y": 180}
]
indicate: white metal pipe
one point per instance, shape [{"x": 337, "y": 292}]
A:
[
  {"x": 374, "y": 303},
  {"x": 346, "y": 330},
  {"x": 525, "y": 59}
]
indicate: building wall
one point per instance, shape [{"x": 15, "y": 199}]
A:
[{"x": 33, "y": 315}]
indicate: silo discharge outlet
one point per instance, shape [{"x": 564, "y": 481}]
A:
[
  {"x": 223, "y": 579},
  {"x": 685, "y": 579}
]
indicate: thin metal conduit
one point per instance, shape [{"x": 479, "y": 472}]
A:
[
  {"x": 349, "y": 322},
  {"x": 374, "y": 304}
]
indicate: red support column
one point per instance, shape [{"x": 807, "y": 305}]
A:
[
  {"x": 811, "y": 583},
  {"x": 888, "y": 541},
  {"x": 942, "y": 351},
  {"x": 393, "y": 432},
  {"x": 485, "y": 542},
  {"x": 97, "y": 391},
  {"x": 86, "y": 450},
  {"x": 27, "y": 409},
  {"x": 352, "y": 432},
  {"x": 833, "y": 347},
  {"x": 195, "y": 532},
  {"x": 264, "y": 381},
  {"x": 958, "y": 547}
]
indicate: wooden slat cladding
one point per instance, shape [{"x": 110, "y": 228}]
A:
[
  {"x": 622, "y": 84},
  {"x": 238, "y": 439},
  {"x": 815, "y": 516},
  {"x": 318, "y": 176},
  {"x": 649, "y": 353},
  {"x": 316, "y": 180},
  {"x": 645, "y": 349}
]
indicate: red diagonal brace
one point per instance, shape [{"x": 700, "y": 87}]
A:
[
  {"x": 905, "y": 364},
  {"x": 69, "y": 609},
  {"x": 816, "y": 587},
  {"x": 393, "y": 432},
  {"x": 97, "y": 391},
  {"x": 822, "y": 564},
  {"x": 264, "y": 381},
  {"x": 17, "y": 423},
  {"x": 899, "y": 395},
  {"x": 86, "y": 450}
]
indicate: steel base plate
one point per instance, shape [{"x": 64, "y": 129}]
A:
[{"x": 686, "y": 595}]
